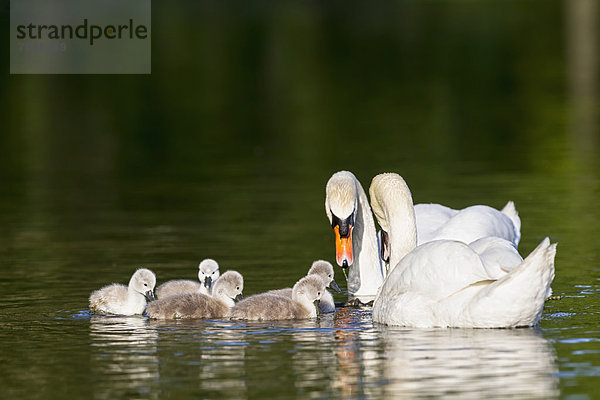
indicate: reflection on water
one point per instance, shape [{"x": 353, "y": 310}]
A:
[
  {"x": 124, "y": 357},
  {"x": 358, "y": 348},
  {"x": 469, "y": 363},
  {"x": 222, "y": 359},
  {"x": 338, "y": 355},
  {"x": 200, "y": 357},
  {"x": 314, "y": 353}
]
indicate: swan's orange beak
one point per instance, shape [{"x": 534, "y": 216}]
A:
[{"x": 343, "y": 248}]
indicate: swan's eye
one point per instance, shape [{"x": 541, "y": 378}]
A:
[
  {"x": 329, "y": 275},
  {"x": 318, "y": 293},
  {"x": 237, "y": 288},
  {"x": 145, "y": 284}
]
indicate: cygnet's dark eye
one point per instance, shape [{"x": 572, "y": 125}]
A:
[
  {"x": 145, "y": 284},
  {"x": 329, "y": 275},
  {"x": 237, "y": 288},
  {"x": 318, "y": 293}
]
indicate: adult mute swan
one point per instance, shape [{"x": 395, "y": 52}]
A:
[
  {"x": 197, "y": 305},
  {"x": 208, "y": 273},
  {"x": 445, "y": 283},
  {"x": 357, "y": 245},
  {"x": 125, "y": 300}
]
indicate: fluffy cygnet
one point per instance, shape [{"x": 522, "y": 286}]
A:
[
  {"x": 325, "y": 271},
  {"x": 125, "y": 300},
  {"x": 208, "y": 273},
  {"x": 267, "y": 306},
  {"x": 197, "y": 305}
]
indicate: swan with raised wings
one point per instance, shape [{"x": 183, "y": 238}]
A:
[{"x": 447, "y": 283}]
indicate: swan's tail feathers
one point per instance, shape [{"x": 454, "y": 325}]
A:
[
  {"x": 518, "y": 298},
  {"x": 511, "y": 212}
]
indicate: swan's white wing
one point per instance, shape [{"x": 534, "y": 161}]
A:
[
  {"x": 476, "y": 222},
  {"x": 518, "y": 298},
  {"x": 430, "y": 217},
  {"x": 416, "y": 292},
  {"x": 437, "y": 269},
  {"x": 499, "y": 256},
  {"x": 511, "y": 212}
]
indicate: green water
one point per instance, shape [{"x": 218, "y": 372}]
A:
[{"x": 224, "y": 152}]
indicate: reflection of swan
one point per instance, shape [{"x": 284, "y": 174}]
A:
[
  {"x": 468, "y": 363},
  {"x": 206, "y": 357},
  {"x": 267, "y": 306},
  {"x": 125, "y": 300},
  {"x": 325, "y": 271},
  {"x": 124, "y": 356},
  {"x": 348, "y": 210},
  {"x": 313, "y": 355},
  {"x": 358, "y": 349},
  {"x": 196, "y": 305},
  {"x": 445, "y": 283},
  {"x": 208, "y": 273}
]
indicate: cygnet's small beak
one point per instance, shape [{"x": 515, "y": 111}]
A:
[
  {"x": 343, "y": 247},
  {"x": 150, "y": 295},
  {"x": 335, "y": 286},
  {"x": 207, "y": 282},
  {"x": 239, "y": 297}
]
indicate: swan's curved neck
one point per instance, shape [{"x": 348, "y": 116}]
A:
[
  {"x": 303, "y": 300},
  {"x": 132, "y": 291},
  {"x": 366, "y": 273},
  {"x": 220, "y": 295},
  {"x": 392, "y": 204},
  {"x": 135, "y": 299}
]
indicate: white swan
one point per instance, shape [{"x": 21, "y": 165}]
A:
[
  {"x": 265, "y": 306},
  {"x": 125, "y": 300},
  {"x": 324, "y": 270},
  {"x": 445, "y": 283},
  {"x": 349, "y": 213},
  {"x": 197, "y": 305},
  {"x": 208, "y": 273},
  {"x": 357, "y": 246}
]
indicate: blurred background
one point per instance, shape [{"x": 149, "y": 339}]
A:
[
  {"x": 250, "y": 108},
  {"x": 262, "y": 101}
]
